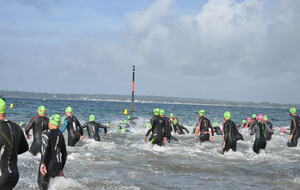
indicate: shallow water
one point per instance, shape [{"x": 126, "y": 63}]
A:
[{"x": 124, "y": 161}]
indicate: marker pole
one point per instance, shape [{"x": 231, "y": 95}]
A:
[{"x": 132, "y": 89}]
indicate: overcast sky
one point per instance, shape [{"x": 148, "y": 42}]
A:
[{"x": 244, "y": 50}]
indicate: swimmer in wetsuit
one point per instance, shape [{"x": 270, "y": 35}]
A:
[
  {"x": 243, "y": 124},
  {"x": 38, "y": 124},
  {"x": 217, "y": 128},
  {"x": 12, "y": 143},
  {"x": 249, "y": 121},
  {"x": 71, "y": 123},
  {"x": 157, "y": 129},
  {"x": 259, "y": 130},
  {"x": 294, "y": 128},
  {"x": 93, "y": 128},
  {"x": 268, "y": 135},
  {"x": 253, "y": 121},
  {"x": 202, "y": 128},
  {"x": 179, "y": 128},
  {"x": 230, "y": 133},
  {"x": 171, "y": 118},
  {"x": 168, "y": 126},
  {"x": 53, "y": 153}
]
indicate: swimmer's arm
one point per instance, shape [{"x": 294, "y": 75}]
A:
[
  {"x": 45, "y": 146},
  {"x": 64, "y": 152},
  {"x": 23, "y": 144},
  {"x": 271, "y": 125},
  {"x": 29, "y": 127},
  {"x": 80, "y": 127},
  {"x": 64, "y": 126},
  {"x": 148, "y": 132},
  {"x": 84, "y": 125},
  {"x": 150, "y": 129},
  {"x": 104, "y": 127},
  {"x": 225, "y": 128},
  {"x": 185, "y": 129},
  {"x": 268, "y": 129},
  {"x": 211, "y": 128},
  {"x": 253, "y": 130}
]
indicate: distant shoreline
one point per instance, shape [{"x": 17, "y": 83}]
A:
[{"x": 139, "y": 99}]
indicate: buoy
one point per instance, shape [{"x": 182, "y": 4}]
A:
[
  {"x": 125, "y": 112},
  {"x": 11, "y": 106}
]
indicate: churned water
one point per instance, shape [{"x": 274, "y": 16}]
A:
[{"x": 124, "y": 161}]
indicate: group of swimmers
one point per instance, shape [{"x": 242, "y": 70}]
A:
[
  {"x": 48, "y": 139},
  {"x": 259, "y": 125}
]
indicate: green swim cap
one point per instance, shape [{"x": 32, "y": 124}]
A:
[
  {"x": 227, "y": 115},
  {"x": 201, "y": 112},
  {"x": 172, "y": 115},
  {"x": 55, "y": 119},
  {"x": 162, "y": 112},
  {"x": 175, "y": 121},
  {"x": 216, "y": 124},
  {"x": 41, "y": 110},
  {"x": 123, "y": 121},
  {"x": 253, "y": 116},
  {"x": 244, "y": 121},
  {"x": 92, "y": 118},
  {"x": 2, "y": 106},
  {"x": 266, "y": 117},
  {"x": 156, "y": 111},
  {"x": 293, "y": 110},
  {"x": 69, "y": 109}
]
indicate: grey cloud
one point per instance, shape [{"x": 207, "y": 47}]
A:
[{"x": 235, "y": 51}]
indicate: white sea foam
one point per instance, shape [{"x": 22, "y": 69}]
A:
[{"x": 62, "y": 183}]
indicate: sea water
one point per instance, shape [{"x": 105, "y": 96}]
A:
[{"x": 124, "y": 161}]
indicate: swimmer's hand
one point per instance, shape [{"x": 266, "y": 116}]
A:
[
  {"x": 213, "y": 138},
  {"x": 145, "y": 139},
  {"x": 165, "y": 140},
  {"x": 43, "y": 169},
  {"x": 61, "y": 173},
  {"x": 223, "y": 145},
  {"x": 82, "y": 138},
  {"x": 290, "y": 137}
]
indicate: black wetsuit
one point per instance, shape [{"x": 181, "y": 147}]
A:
[
  {"x": 179, "y": 129},
  {"x": 53, "y": 155},
  {"x": 168, "y": 128},
  {"x": 38, "y": 124},
  {"x": 260, "y": 140},
  {"x": 204, "y": 125},
  {"x": 253, "y": 123},
  {"x": 218, "y": 130},
  {"x": 93, "y": 129},
  {"x": 230, "y": 135},
  {"x": 158, "y": 130},
  {"x": 268, "y": 135},
  {"x": 294, "y": 131},
  {"x": 12, "y": 143},
  {"x": 74, "y": 128}
]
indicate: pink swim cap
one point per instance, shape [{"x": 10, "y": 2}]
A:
[
  {"x": 249, "y": 119},
  {"x": 260, "y": 117}
]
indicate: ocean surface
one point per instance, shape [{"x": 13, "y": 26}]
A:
[{"x": 123, "y": 161}]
